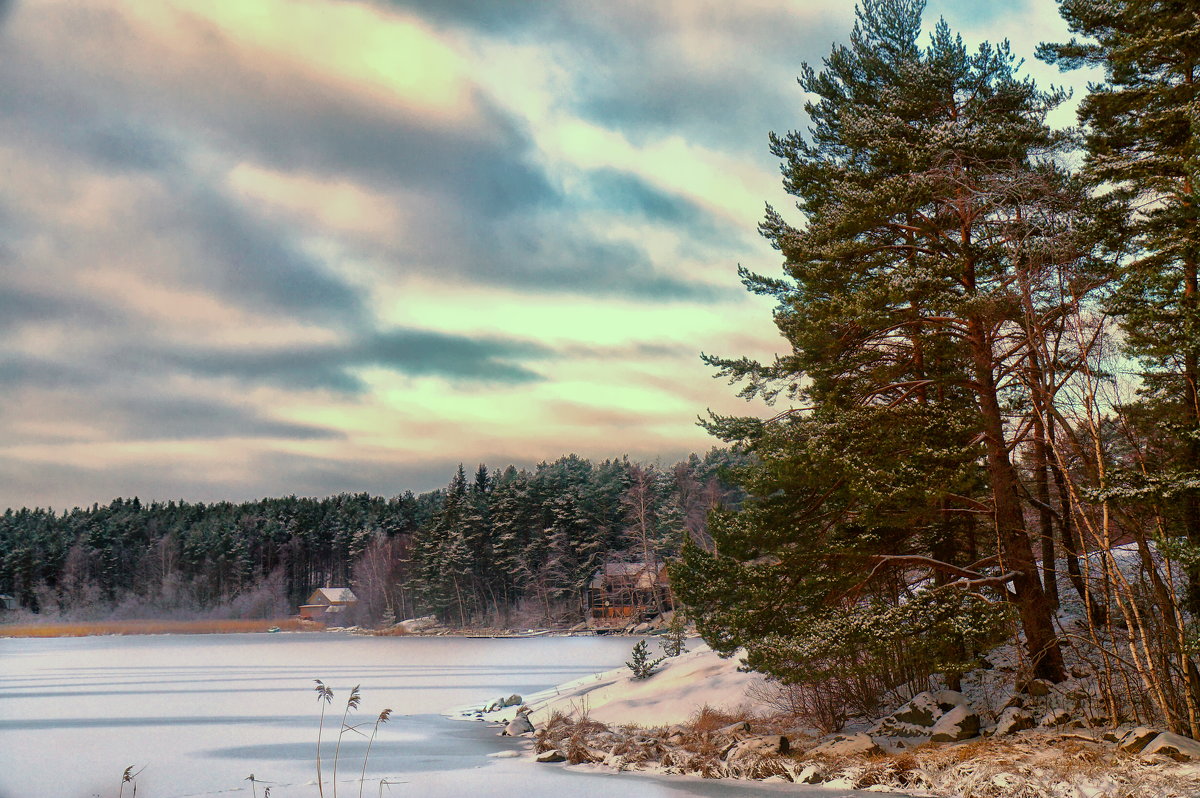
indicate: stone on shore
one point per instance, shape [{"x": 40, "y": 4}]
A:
[
  {"x": 517, "y": 726},
  {"x": 930, "y": 717},
  {"x": 1176, "y": 746},
  {"x": 847, "y": 745}
]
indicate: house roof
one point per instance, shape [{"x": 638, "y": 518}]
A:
[
  {"x": 632, "y": 571},
  {"x": 334, "y": 595}
]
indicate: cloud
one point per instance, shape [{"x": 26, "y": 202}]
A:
[
  {"x": 417, "y": 353},
  {"x": 186, "y": 418}
]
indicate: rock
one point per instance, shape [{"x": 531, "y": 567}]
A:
[
  {"x": 494, "y": 705},
  {"x": 552, "y": 755},
  {"x": 758, "y": 746},
  {"x": 517, "y": 726},
  {"x": 513, "y": 700},
  {"x": 1012, "y": 720},
  {"x": 422, "y": 624},
  {"x": 939, "y": 717},
  {"x": 1111, "y": 736},
  {"x": 846, "y": 745},
  {"x": 1035, "y": 687},
  {"x": 1056, "y": 717},
  {"x": 640, "y": 628},
  {"x": 735, "y": 728},
  {"x": 811, "y": 774},
  {"x": 1176, "y": 746},
  {"x": 579, "y": 627},
  {"x": 1137, "y": 739}
]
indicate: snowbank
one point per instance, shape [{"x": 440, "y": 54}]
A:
[{"x": 672, "y": 695}]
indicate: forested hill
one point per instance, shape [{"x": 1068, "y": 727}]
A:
[{"x": 492, "y": 546}]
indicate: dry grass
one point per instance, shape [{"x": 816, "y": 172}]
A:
[
  {"x": 709, "y": 718},
  {"x": 391, "y": 631},
  {"x": 152, "y": 627}
]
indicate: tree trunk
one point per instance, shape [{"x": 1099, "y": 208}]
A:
[{"x": 1015, "y": 550}]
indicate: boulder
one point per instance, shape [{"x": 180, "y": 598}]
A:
[
  {"x": 758, "y": 747},
  {"x": 811, "y": 774},
  {"x": 517, "y": 726},
  {"x": 1036, "y": 688},
  {"x": 741, "y": 727},
  {"x": 422, "y": 624},
  {"x": 1137, "y": 739},
  {"x": 552, "y": 755},
  {"x": 1176, "y": 746},
  {"x": 1056, "y": 717},
  {"x": 939, "y": 717},
  {"x": 1012, "y": 720},
  {"x": 513, "y": 700},
  {"x": 846, "y": 745}
]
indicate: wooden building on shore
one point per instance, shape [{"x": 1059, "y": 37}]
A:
[
  {"x": 327, "y": 604},
  {"x": 621, "y": 593}
]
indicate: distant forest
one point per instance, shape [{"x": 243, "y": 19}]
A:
[{"x": 493, "y": 546}]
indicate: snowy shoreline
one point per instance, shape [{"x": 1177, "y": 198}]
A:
[{"x": 694, "y": 717}]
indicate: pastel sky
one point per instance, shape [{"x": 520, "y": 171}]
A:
[{"x": 262, "y": 247}]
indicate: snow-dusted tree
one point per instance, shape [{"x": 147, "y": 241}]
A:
[
  {"x": 1143, "y": 146},
  {"x": 928, "y": 182}
]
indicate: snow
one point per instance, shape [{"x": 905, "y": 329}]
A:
[
  {"x": 203, "y": 712},
  {"x": 680, "y": 687}
]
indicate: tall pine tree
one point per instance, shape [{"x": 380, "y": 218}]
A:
[{"x": 927, "y": 181}]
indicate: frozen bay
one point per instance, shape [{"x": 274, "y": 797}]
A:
[{"x": 201, "y": 713}]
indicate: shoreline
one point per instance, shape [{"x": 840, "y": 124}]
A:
[{"x": 292, "y": 624}]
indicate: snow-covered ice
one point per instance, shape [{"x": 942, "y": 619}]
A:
[{"x": 201, "y": 713}]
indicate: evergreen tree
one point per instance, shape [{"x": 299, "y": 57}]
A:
[
  {"x": 1143, "y": 146},
  {"x": 930, "y": 191}
]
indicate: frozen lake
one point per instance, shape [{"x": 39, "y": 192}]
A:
[{"x": 201, "y": 713}]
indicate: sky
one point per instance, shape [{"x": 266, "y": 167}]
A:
[{"x": 265, "y": 247}]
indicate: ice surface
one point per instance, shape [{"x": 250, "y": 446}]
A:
[{"x": 201, "y": 713}]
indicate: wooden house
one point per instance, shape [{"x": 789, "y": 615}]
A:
[
  {"x": 621, "y": 593},
  {"x": 327, "y": 603}
]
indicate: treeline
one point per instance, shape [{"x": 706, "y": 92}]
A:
[
  {"x": 993, "y": 357},
  {"x": 490, "y": 544}
]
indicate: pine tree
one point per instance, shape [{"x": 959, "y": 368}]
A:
[
  {"x": 1143, "y": 146},
  {"x": 930, "y": 191}
]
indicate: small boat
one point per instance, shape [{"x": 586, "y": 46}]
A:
[{"x": 273, "y": 629}]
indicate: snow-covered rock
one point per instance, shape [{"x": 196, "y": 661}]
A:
[
  {"x": 758, "y": 746},
  {"x": 553, "y": 755},
  {"x": 741, "y": 727},
  {"x": 518, "y": 726},
  {"x": 939, "y": 717},
  {"x": 1176, "y": 746},
  {"x": 1056, "y": 718},
  {"x": 846, "y": 745},
  {"x": 421, "y": 624},
  {"x": 811, "y": 774},
  {"x": 1137, "y": 739},
  {"x": 1012, "y": 720}
]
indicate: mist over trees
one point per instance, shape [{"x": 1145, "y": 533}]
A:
[
  {"x": 991, "y": 366},
  {"x": 491, "y": 547}
]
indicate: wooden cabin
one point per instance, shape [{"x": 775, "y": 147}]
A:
[
  {"x": 621, "y": 593},
  {"x": 327, "y": 603}
]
